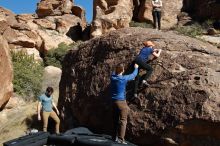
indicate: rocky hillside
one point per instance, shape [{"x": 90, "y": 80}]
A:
[
  {"x": 52, "y": 25},
  {"x": 181, "y": 105},
  {"x": 55, "y": 22},
  {"x": 114, "y": 14}
]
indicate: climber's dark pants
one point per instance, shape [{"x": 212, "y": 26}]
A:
[
  {"x": 156, "y": 18},
  {"x": 142, "y": 65},
  {"x": 120, "y": 111}
]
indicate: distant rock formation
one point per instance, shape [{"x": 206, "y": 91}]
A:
[
  {"x": 30, "y": 33},
  {"x": 181, "y": 105},
  {"x": 170, "y": 10},
  {"x": 110, "y": 15},
  {"x": 6, "y": 76},
  {"x": 54, "y": 7}
]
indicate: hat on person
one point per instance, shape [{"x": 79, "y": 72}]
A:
[{"x": 148, "y": 44}]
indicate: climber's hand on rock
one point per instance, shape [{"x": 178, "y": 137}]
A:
[{"x": 136, "y": 66}]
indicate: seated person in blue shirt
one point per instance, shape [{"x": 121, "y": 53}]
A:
[
  {"x": 120, "y": 107},
  {"x": 142, "y": 59}
]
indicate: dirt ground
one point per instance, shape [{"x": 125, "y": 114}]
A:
[{"x": 15, "y": 122}]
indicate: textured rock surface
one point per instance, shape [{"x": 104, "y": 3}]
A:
[
  {"x": 110, "y": 15},
  {"x": 79, "y": 12},
  {"x": 182, "y": 104},
  {"x": 6, "y": 72},
  {"x": 170, "y": 10},
  {"x": 54, "y": 7},
  {"x": 203, "y": 9},
  {"x": 211, "y": 39},
  {"x": 28, "y": 31},
  {"x": 184, "y": 19},
  {"x": 51, "y": 78}
]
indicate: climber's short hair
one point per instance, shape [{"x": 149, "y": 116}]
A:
[
  {"x": 49, "y": 90},
  {"x": 148, "y": 44},
  {"x": 119, "y": 69}
]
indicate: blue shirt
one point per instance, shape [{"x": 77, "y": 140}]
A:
[
  {"x": 46, "y": 102},
  {"x": 118, "y": 84},
  {"x": 145, "y": 53}
]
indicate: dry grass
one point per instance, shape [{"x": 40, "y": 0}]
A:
[{"x": 15, "y": 122}]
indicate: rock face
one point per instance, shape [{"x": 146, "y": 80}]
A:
[
  {"x": 180, "y": 106},
  {"x": 110, "y": 15},
  {"x": 51, "y": 78},
  {"x": 170, "y": 11},
  {"x": 54, "y": 7},
  {"x": 29, "y": 32},
  {"x": 6, "y": 89},
  {"x": 203, "y": 9}
]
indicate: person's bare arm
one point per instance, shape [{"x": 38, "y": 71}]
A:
[
  {"x": 54, "y": 105},
  {"x": 156, "y": 53},
  {"x": 153, "y": 4},
  {"x": 38, "y": 110}
]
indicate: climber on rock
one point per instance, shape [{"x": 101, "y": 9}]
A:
[
  {"x": 142, "y": 60},
  {"x": 120, "y": 107}
]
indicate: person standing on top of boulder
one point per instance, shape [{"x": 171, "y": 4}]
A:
[
  {"x": 156, "y": 12},
  {"x": 120, "y": 107},
  {"x": 142, "y": 59},
  {"x": 45, "y": 100}
]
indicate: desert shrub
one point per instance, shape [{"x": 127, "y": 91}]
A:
[
  {"x": 191, "y": 30},
  {"x": 54, "y": 57},
  {"x": 207, "y": 24},
  {"x": 140, "y": 24},
  {"x": 28, "y": 75}
]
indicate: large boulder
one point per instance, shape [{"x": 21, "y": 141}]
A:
[
  {"x": 45, "y": 24},
  {"x": 6, "y": 70},
  {"x": 110, "y": 15},
  {"x": 181, "y": 105},
  {"x": 8, "y": 16},
  {"x": 51, "y": 78},
  {"x": 22, "y": 38},
  {"x": 51, "y": 39},
  {"x": 54, "y": 30},
  {"x": 170, "y": 11},
  {"x": 54, "y": 7},
  {"x": 80, "y": 12}
]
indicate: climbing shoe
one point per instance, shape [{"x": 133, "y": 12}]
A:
[
  {"x": 122, "y": 141},
  {"x": 145, "y": 83},
  {"x": 135, "y": 95}
]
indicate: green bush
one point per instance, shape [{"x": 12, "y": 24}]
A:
[
  {"x": 191, "y": 30},
  {"x": 140, "y": 24},
  {"x": 28, "y": 75},
  {"x": 54, "y": 57},
  {"x": 208, "y": 24}
]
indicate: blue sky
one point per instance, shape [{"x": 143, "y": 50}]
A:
[{"x": 29, "y": 6}]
